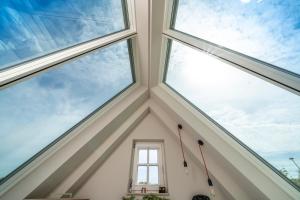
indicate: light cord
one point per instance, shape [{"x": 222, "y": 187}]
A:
[
  {"x": 181, "y": 145},
  {"x": 200, "y": 144}
]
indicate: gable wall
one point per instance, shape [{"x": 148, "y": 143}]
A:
[{"x": 110, "y": 181}]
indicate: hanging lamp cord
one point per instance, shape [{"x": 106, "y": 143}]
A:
[
  {"x": 200, "y": 142},
  {"x": 179, "y": 133}
]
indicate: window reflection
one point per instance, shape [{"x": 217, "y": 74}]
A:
[
  {"x": 263, "y": 116},
  {"x": 266, "y": 30},
  {"x": 37, "y": 27},
  {"x": 37, "y": 111}
]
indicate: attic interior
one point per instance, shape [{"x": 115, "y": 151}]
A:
[{"x": 149, "y": 99}]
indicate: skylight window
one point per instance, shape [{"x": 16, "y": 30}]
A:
[
  {"x": 264, "y": 117},
  {"x": 34, "y": 28},
  {"x": 266, "y": 30},
  {"x": 39, "y": 111}
]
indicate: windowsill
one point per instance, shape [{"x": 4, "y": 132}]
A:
[{"x": 144, "y": 194}]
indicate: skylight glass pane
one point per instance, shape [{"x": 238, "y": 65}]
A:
[
  {"x": 34, "y": 28},
  {"x": 261, "y": 115},
  {"x": 143, "y": 156},
  {"x": 266, "y": 30},
  {"x": 37, "y": 111},
  {"x": 153, "y": 175}
]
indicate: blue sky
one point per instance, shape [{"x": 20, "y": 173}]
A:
[
  {"x": 264, "y": 29},
  {"x": 37, "y": 27},
  {"x": 263, "y": 116},
  {"x": 36, "y": 111}
]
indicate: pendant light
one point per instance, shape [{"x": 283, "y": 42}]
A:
[
  {"x": 186, "y": 170},
  {"x": 210, "y": 183}
]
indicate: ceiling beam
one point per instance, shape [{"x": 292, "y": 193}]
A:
[
  {"x": 72, "y": 183},
  {"x": 62, "y": 158},
  {"x": 255, "y": 175}
]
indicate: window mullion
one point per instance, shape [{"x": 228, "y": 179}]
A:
[
  {"x": 169, "y": 7},
  {"x": 130, "y": 6},
  {"x": 29, "y": 68},
  {"x": 148, "y": 165},
  {"x": 268, "y": 72}
]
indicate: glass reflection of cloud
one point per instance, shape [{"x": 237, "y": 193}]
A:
[
  {"x": 35, "y": 112},
  {"x": 261, "y": 115},
  {"x": 266, "y": 30},
  {"x": 34, "y": 28}
]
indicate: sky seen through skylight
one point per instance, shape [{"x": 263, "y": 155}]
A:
[{"x": 38, "y": 110}]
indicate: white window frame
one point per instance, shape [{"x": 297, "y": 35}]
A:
[
  {"x": 13, "y": 75},
  {"x": 275, "y": 75},
  {"x": 150, "y": 188},
  {"x": 31, "y": 68},
  {"x": 268, "y": 72}
]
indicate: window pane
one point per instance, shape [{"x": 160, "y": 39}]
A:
[
  {"x": 267, "y": 30},
  {"x": 263, "y": 116},
  {"x": 153, "y": 175},
  {"x": 153, "y": 156},
  {"x": 34, "y": 28},
  {"x": 142, "y": 175},
  {"x": 35, "y": 112},
  {"x": 143, "y": 156}
]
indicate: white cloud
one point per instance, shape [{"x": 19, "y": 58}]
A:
[
  {"x": 261, "y": 115},
  {"x": 35, "y": 112},
  {"x": 266, "y": 32},
  {"x": 245, "y": 1}
]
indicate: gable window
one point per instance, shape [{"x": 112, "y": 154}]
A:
[{"x": 148, "y": 168}]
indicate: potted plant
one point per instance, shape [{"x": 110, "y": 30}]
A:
[
  {"x": 146, "y": 197},
  {"x": 153, "y": 197},
  {"x": 129, "y": 198}
]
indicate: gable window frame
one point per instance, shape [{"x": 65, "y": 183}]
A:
[{"x": 148, "y": 145}]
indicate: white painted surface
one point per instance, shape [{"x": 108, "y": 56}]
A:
[
  {"x": 82, "y": 173},
  {"x": 37, "y": 173},
  {"x": 110, "y": 181},
  {"x": 156, "y": 47},
  {"x": 256, "y": 179},
  {"x": 142, "y": 28}
]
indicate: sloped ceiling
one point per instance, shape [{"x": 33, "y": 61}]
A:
[{"x": 73, "y": 161}]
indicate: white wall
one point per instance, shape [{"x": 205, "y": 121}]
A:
[{"x": 110, "y": 181}]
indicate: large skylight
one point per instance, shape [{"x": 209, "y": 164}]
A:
[
  {"x": 259, "y": 114},
  {"x": 38, "y": 111},
  {"x": 266, "y": 30},
  {"x": 34, "y": 28}
]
